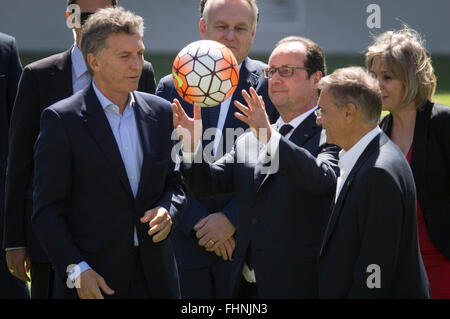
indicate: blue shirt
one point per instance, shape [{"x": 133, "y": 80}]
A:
[
  {"x": 80, "y": 74},
  {"x": 126, "y": 133}
]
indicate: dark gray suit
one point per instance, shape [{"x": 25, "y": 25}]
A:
[
  {"x": 43, "y": 83},
  {"x": 374, "y": 223},
  {"x": 281, "y": 216},
  {"x": 10, "y": 71}
]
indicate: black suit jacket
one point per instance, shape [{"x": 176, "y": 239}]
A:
[
  {"x": 43, "y": 83},
  {"x": 189, "y": 253},
  {"x": 430, "y": 164},
  {"x": 84, "y": 208},
  {"x": 10, "y": 71},
  {"x": 374, "y": 223},
  {"x": 281, "y": 216}
]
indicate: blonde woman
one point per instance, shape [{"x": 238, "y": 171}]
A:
[{"x": 421, "y": 129}]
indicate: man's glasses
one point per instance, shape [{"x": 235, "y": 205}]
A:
[{"x": 284, "y": 71}]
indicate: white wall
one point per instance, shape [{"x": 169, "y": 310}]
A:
[{"x": 338, "y": 26}]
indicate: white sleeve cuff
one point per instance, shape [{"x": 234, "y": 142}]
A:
[
  {"x": 274, "y": 142},
  {"x": 188, "y": 157},
  {"x": 77, "y": 270}
]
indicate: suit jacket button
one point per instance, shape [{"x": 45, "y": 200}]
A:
[{"x": 254, "y": 221}]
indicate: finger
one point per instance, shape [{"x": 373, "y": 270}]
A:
[
  {"x": 248, "y": 100},
  {"x": 104, "y": 287},
  {"x": 242, "y": 118},
  {"x": 241, "y": 107},
  {"x": 205, "y": 241},
  {"x": 218, "y": 252},
  {"x": 161, "y": 235},
  {"x": 200, "y": 224},
  {"x": 197, "y": 112},
  {"x": 232, "y": 242},
  {"x": 19, "y": 272},
  {"x": 261, "y": 101},
  {"x": 228, "y": 249},
  {"x": 255, "y": 97},
  {"x": 158, "y": 227},
  {"x": 148, "y": 215},
  {"x": 160, "y": 217},
  {"x": 223, "y": 252}
]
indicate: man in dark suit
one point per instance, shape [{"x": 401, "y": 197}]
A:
[
  {"x": 370, "y": 248},
  {"x": 43, "y": 83},
  {"x": 10, "y": 71},
  {"x": 106, "y": 191},
  {"x": 204, "y": 241},
  {"x": 282, "y": 207}
]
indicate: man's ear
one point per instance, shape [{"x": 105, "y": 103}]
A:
[
  {"x": 316, "y": 76},
  {"x": 350, "y": 111},
  {"x": 93, "y": 62},
  {"x": 202, "y": 28}
]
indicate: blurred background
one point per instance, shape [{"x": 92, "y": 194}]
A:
[{"x": 342, "y": 28}]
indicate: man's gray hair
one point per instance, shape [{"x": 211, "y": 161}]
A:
[
  {"x": 105, "y": 22},
  {"x": 354, "y": 85}
]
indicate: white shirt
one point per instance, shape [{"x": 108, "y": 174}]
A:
[
  {"x": 81, "y": 78},
  {"x": 272, "y": 145},
  {"x": 224, "y": 107},
  {"x": 348, "y": 159}
]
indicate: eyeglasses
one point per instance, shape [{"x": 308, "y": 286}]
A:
[
  {"x": 84, "y": 16},
  {"x": 284, "y": 71}
]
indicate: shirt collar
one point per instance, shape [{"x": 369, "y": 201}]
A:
[
  {"x": 79, "y": 65},
  {"x": 348, "y": 159},
  {"x": 105, "y": 102},
  {"x": 296, "y": 121}
]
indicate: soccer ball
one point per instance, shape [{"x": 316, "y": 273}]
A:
[{"x": 205, "y": 73}]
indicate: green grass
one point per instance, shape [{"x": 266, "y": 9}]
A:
[
  {"x": 442, "y": 98},
  {"x": 162, "y": 64}
]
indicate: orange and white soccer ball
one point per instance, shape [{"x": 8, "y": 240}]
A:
[{"x": 205, "y": 73}]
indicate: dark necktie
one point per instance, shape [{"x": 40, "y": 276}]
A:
[{"x": 286, "y": 128}]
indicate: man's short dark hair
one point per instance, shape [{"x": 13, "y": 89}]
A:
[
  {"x": 113, "y": 2},
  {"x": 315, "y": 58}
]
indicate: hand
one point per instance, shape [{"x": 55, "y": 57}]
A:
[
  {"x": 19, "y": 263},
  {"x": 226, "y": 249},
  {"x": 159, "y": 221},
  {"x": 188, "y": 129},
  {"x": 255, "y": 115},
  {"x": 90, "y": 285},
  {"x": 214, "y": 230}
]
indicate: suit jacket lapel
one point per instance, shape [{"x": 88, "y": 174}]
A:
[
  {"x": 95, "y": 119},
  {"x": 300, "y": 136},
  {"x": 373, "y": 146},
  {"x": 146, "y": 123},
  {"x": 61, "y": 76},
  {"x": 419, "y": 151}
]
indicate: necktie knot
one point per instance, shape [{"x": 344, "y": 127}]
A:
[{"x": 286, "y": 128}]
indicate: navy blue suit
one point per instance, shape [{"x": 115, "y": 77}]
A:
[
  {"x": 281, "y": 216},
  {"x": 84, "y": 209},
  {"x": 189, "y": 255},
  {"x": 42, "y": 83},
  {"x": 374, "y": 223},
  {"x": 10, "y": 71}
]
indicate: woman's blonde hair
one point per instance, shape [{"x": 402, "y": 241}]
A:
[{"x": 404, "y": 53}]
